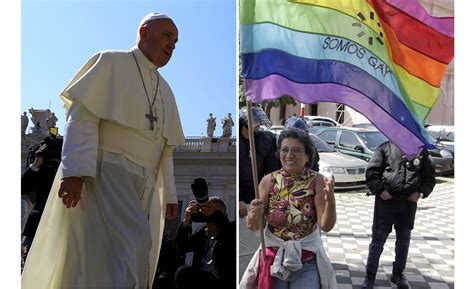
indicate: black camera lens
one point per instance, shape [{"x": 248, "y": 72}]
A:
[{"x": 199, "y": 188}]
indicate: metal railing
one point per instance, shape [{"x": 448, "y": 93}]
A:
[
  {"x": 191, "y": 144},
  {"x": 197, "y": 143}
]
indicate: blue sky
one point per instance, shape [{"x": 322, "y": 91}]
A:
[{"x": 59, "y": 36}]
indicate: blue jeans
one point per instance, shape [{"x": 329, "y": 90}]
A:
[{"x": 305, "y": 278}]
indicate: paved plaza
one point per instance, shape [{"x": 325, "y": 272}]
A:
[{"x": 431, "y": 256}]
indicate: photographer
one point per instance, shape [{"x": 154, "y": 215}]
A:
[
  {"x": 39, "y": 177},
  {"x": 213, "y": 246}
]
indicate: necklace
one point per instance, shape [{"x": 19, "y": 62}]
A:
[
  {"x": 150, "y": 115},
  {"x": 295, "y": 176}
]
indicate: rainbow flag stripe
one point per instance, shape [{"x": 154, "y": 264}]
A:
[
  {"x": 444, "y": 25},
  {"x": 349, "y": 51}
]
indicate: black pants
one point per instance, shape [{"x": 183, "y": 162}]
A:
[
  {"x": 398, "y": 212},
  {"x": 32, "y": 223}
]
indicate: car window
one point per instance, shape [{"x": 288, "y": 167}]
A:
[
  {"x": 328, "y": 136},
  {"x": 322, "y": 123},
  {"x": 321, "y": 145},
  {"x": 449, "y": 136},
  {"x": 372, "y": 139},
  {"x": 348, "y": 140},
  {"x": 314, "y": 130}
]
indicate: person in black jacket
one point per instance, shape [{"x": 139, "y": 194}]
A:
[
  {"x": 213, "y": 247},
  {"x": 265, "y": 149},
  {"x": 397, "y": 183},
  {"x": 38, "y": 178}
]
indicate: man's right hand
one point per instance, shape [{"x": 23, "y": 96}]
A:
[
  {"x": 192, "y": 208},
  {"x": 70, "y": 191},
  {"x": 38, "y": 162},
  {"x": 385, "y": 195}
]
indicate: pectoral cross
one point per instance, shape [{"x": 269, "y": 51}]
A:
[{"x": 152, "y": 118}]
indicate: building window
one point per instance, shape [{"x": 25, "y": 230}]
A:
[{"x": 340, "y": 109}]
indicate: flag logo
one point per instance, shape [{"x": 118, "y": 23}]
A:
[{"x": 362, "y": 18}]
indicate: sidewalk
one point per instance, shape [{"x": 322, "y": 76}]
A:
[{"x": 431, "y": 256}]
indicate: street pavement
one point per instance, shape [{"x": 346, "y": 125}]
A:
[{"x": 430, "y": 259}]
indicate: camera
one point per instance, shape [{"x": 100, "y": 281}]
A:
[{"x": 200, "y": 192}]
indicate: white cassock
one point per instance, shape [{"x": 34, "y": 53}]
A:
[{"x": 112, "y": 238}]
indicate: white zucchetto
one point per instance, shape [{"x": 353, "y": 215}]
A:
[{"x": 152, "y": 17}]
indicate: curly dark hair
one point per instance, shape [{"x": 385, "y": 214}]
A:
[{"x": 302, "y": 137}]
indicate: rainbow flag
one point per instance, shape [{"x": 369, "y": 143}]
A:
[{"x": 384, "y": 58}]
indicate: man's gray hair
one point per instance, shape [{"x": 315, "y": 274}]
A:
[{"x": 218, "y": 200}]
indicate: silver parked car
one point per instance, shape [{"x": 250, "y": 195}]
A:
[
  {"x": 444, "y": 136},
  {"x": 318, "y": 121},
  {"x": 443, "y": 156},
  {"x": 362, "y": 143},
  {"x": 348, "y": 171}
]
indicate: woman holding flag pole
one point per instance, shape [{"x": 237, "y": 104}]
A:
[{"x": 297, "y": 203}]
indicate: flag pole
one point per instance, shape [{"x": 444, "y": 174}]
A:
[{"x": 253, "y": 160}]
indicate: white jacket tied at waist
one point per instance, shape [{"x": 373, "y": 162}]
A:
[{"x": 288, "y": 259}]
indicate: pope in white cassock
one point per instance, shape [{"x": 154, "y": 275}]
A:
[{"x": 116, "y": 180}]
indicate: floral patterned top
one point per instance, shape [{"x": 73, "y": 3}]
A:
[{"x": 291, "y": 212}]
